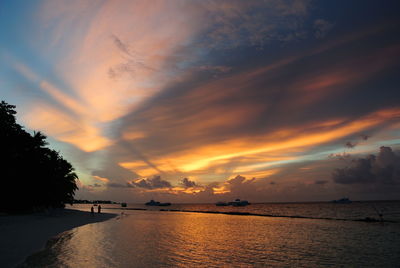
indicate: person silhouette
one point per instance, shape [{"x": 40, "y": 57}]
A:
[
  {"x": 98, "y": 209},
  {"x": 92, "y": 210}
]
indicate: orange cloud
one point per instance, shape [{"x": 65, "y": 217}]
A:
[
  {"x": 134, "y": 135},
  {"x": 242, "y": 148},
  {"x": 105, "y": 180},
  {"x": 65, "y": 128},
  {"x": 63, "y": 98},
  {"x": 98, "y": 43},
  {"x": 301, "y": 138},
  {"x": 110, "y": 43}
]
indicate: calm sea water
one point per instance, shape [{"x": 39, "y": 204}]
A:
[{"x": 185, "y": 239}]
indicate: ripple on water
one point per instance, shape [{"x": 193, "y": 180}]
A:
[{"x": 173, "y": 239}]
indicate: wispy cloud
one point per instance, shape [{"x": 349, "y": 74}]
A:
[{"x": 236, "y": 97}]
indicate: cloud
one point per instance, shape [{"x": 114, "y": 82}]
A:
[
  {"x": 132, "y": 61},
  {"x": 187, "y": 183},
  {"x": 340, "y": 156},
  {"x": 61, "y": 118},
  {"x": 256, "y": 112},
  {"x": 254, "y": 23},
  {"x": 381, "y": 169},
  {"x": 322, "y": 27},
  {"x": 365, "y": 137},
  {"x": 151, "y": 42},
  {"x": 102, "y": 179},
  {"x": 350, "y": 144},
  {"x": 118, "y": 185},
  {"x": 184, "y": 90},
  {"x": 64, "y": 127},
  {"x": 321, "y": 182},
  {"x": 216, "y": 68},
  {"x": 242, "y": 187},
  {"x": 151, "y": 183},
  {"x": 361, "y": 138}
]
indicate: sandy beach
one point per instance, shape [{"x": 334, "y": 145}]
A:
[{"x": 23, "y": 235}]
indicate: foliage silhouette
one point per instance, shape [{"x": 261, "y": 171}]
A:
[{"x": 32, "y": 176}]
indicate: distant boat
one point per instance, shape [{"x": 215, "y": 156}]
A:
[
  {"x": 343, "y": 200},
  {"x": 222, "y": 204},
  {"x": 156, "y": 203},
  {"x": 239, "y": 203},
  {"x": 123, "y": 205}
]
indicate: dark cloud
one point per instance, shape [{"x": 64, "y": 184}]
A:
[
  {"x": 239, "y": 180},
  {"x": 381, "y": 169},
  {"x": 262, "y": 93},
  {"x": 242, "y": 187},
  {"x": 364, "y": 137},
  {"x": 254, "y": 23},
  {"x": 117, "y": 185},
  {"x": 350, "y": 144},
  {"x": 95, "y": 185},
  {"x": 252, "y": 101},
  {"x": 151, "y": 183},
  {"x": 188, "y": 183},
  {"x": 216, "y": 69},
  {"x": 340, "y": 156},
  {"x": 322, "y": 27},
  {"x": 321, "y": 182},
  {"x": 121, "y": 45},
  {"x": 131, "y": 63}
]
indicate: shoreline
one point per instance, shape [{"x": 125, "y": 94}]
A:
[
  {"x": 238, "y": 213},
  {"x": 23, "y": 235}
]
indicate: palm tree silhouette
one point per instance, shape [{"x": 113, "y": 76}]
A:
[{"x": 32, "y": 176}]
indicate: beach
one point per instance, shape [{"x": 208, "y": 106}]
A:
[{"x": 23, "y": 235}]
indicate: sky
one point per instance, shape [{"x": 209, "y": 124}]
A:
[{"x": 205, "y": 101}]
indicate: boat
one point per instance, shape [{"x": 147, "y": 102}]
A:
[
  {"x": 343, "y": 200},
  {"x": 239, "y": 203},
  {"x": 156, "y": 203},
  {"x": 221, "y": 204}
]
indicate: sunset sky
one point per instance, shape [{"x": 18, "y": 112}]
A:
[{"x": 201, "y": 101}]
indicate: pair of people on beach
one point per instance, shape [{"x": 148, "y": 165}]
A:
[{"x": 98, "y": 209}]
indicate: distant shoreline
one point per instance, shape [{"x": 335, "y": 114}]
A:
[
  {"x": 238, "y": 213},
  {"x": 23, "y": 235}
]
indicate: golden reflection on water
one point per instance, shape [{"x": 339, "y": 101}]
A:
[
  {"x": 92, "y": 245},
  {"x": 175, "y": 239},
  {"x": 217, "y": 234}
]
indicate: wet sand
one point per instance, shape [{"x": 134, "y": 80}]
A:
[{"x": 23, "y": 235}]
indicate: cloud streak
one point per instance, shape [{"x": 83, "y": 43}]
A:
[{"x": 236, "y": 97}]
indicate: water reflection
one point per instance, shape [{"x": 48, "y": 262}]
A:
[
  {"x": 157, "y": 239},
  {"x": 54, "y": 248}
]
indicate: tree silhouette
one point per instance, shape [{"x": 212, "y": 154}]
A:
[{"x": 32, "y": 176}]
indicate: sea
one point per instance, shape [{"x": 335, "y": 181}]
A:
[{"x": 360, "y": 234}]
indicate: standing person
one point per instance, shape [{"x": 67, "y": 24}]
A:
[
  {"x": 92, "y": 210},
  {"x": 98, "y": 209}
]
